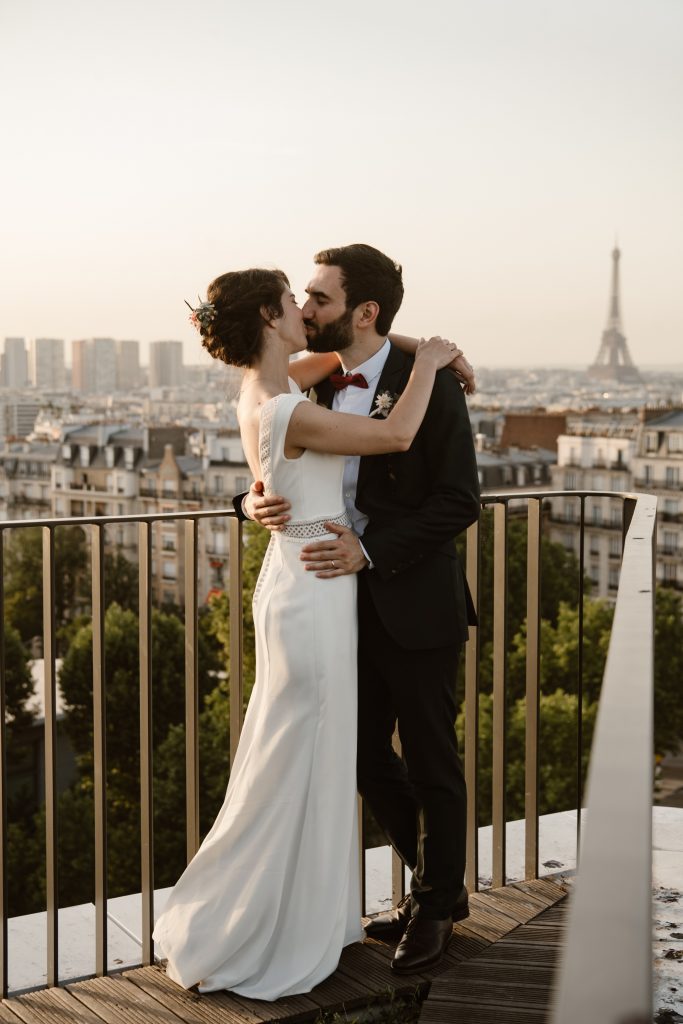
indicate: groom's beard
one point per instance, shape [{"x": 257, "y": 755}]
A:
[{"x": 332, "y": 337}]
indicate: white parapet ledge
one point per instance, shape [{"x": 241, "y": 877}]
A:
[{"x": 557, "y": 856}]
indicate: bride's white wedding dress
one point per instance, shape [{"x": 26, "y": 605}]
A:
[{"x": 273, "y": 894}]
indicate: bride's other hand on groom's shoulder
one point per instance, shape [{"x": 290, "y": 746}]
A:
[
  {"x": 336, "y": 556},
  {"x": 266, "y": 510}
]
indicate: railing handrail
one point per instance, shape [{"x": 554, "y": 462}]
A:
[
  {"x": 134, "y": 517},
  {"x": 606, "y": 975}
]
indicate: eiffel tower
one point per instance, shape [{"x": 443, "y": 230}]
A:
[{"x": 613, "y": 362}]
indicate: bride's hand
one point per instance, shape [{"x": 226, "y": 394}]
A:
[
  {"x": 440, "y": 351},
  {"x": 464, "y": 374}
]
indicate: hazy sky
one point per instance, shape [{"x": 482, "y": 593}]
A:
[{"x": 493, "y": 147}]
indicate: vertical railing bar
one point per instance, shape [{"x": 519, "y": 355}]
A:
[
  {"x": 579, "y": 697},
  {"x": 472, "y": 569},
  {"x": 398, "y": 870},
  {"x": 361, "y": 854},
  {"x": 236, "y": 637},
  {"x": 3, "y": 785},
  {"x": 191, "y": 691},
  {"x": 146, "y": 790},
  {"x": 499, "y": 680},
  {"x": 533, "y": 626},
  {"x": 49, "y": 655},
  {"x": 99, "y": 747}
]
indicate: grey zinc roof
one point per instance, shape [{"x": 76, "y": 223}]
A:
[{"x": 673, "y": 419}]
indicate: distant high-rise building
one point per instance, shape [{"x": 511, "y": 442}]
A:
[
  {"x": 127, "y": 365},
  {"x": 15, "y": 363},
  {"x": 165, "y": 364},
  {"x": 613, "y": 362},
  {"x": 94, "y": 365},
  {"x": 17, "y": 415},
  {"x": 47, "y": 363},
  {"x": 81, "y": 366}
]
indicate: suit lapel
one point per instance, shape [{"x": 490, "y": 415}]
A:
[
  {"x": 393, "y": 379},
  {"x": 323, "y": 392}
]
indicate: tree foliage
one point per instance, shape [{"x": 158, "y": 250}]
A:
[
  {"x": 558, "y": 730},
  {"x": 24, "y": 578}
]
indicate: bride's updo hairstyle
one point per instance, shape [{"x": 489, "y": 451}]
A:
[{"x": 235, "y": 335}]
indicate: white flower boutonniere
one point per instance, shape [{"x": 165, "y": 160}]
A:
[{"x": 384, "y": 403}]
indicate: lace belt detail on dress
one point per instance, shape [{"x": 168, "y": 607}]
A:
[{"x": 305, "y": 529}]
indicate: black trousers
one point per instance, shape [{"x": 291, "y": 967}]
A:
[{"x": 420, "y": 802}]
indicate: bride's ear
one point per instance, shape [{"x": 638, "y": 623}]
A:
[{"x": 269, "y": 315}]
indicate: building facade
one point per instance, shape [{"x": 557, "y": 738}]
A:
[
  {"x": 642, "y": 455},
  {"x": 14, "y": 364},
  {"x": 46, "y": 363},
  {"x": 94, "y": 366},
  {"x": 165, "y": 364},
  {"x": 128, "y": 375}
]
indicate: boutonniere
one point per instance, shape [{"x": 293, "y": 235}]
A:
[{"x": 384, "y": 403}]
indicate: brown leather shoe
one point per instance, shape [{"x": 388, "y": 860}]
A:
[
  {"x": 392, "y": 923},
  {"x": 423, "y": 944}
]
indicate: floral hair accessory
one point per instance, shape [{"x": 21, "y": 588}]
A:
[
  {"x": 384, "y": 402},
  {"x": 201, "y": 315}
]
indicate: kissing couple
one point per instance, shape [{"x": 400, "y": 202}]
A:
[{"x": 360, "y": 613}]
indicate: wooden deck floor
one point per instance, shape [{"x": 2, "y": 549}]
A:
[{"x": 498, "y": 968}]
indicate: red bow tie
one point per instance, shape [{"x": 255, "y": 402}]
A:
[{"x": 339, "y": 381}]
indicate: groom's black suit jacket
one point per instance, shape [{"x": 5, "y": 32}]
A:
[{"x": 417, "y": 502}]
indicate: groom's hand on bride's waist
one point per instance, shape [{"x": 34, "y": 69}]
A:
[
  {"x": 334, "y": 557},
  {"x": 270, "y": 511}
]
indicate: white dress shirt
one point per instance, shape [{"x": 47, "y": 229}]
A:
[{"x": 359, "y": 401}]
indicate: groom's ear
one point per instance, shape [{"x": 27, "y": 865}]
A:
[{"x": 366, "y": 314}]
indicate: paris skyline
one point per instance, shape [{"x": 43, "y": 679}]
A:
[{"x": 495, "y": 151}]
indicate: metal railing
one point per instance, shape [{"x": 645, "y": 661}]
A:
[
  {"x": 534, "y": 507},
  {"x": 97, "y": 527}
]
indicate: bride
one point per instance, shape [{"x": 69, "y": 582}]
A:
[{"x": 273, "y": 894}]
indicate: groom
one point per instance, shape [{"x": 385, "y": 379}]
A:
[{"x": 414, "y": 606}]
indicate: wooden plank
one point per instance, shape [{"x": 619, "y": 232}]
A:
[
  {"x": 548, "y": 892},
  {"x": 492, "y": 993},
  {"x": 212, "y": 1008},
  {"x": 520, "y": 905},
  {"x": 438, "y": 1012},
  {"x": 464, "y": 946},
  {"x": 490, "y": 915},
  {"x": 51, "y": 1006},
  {"x": 536, "y": 936},
  {"x": 360, "y": 961},
  {"x": 478, "y": 929},
  {"x": 7, "y": 1016},
  {"x": 289, "y": 1009},
  {"x": 487, "y": 970},
  {"x": 339, "y": 992},
  {"x": 511, "y": 981},
  {"x": 116, "y": 999}
]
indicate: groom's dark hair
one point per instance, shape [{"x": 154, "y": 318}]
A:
[{"x": 367, "y": 276}]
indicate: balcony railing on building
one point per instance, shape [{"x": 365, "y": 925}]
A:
[{"x": 617, "y": 842}]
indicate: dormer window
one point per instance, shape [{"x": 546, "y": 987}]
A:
[
  {"x": 129, "y": 457},
  {"x": 651, "y": 441},
  {"x": 84, "y": 454},
  {"x": 109, "y": 456},
  {"x": 66, "y": 452}
]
